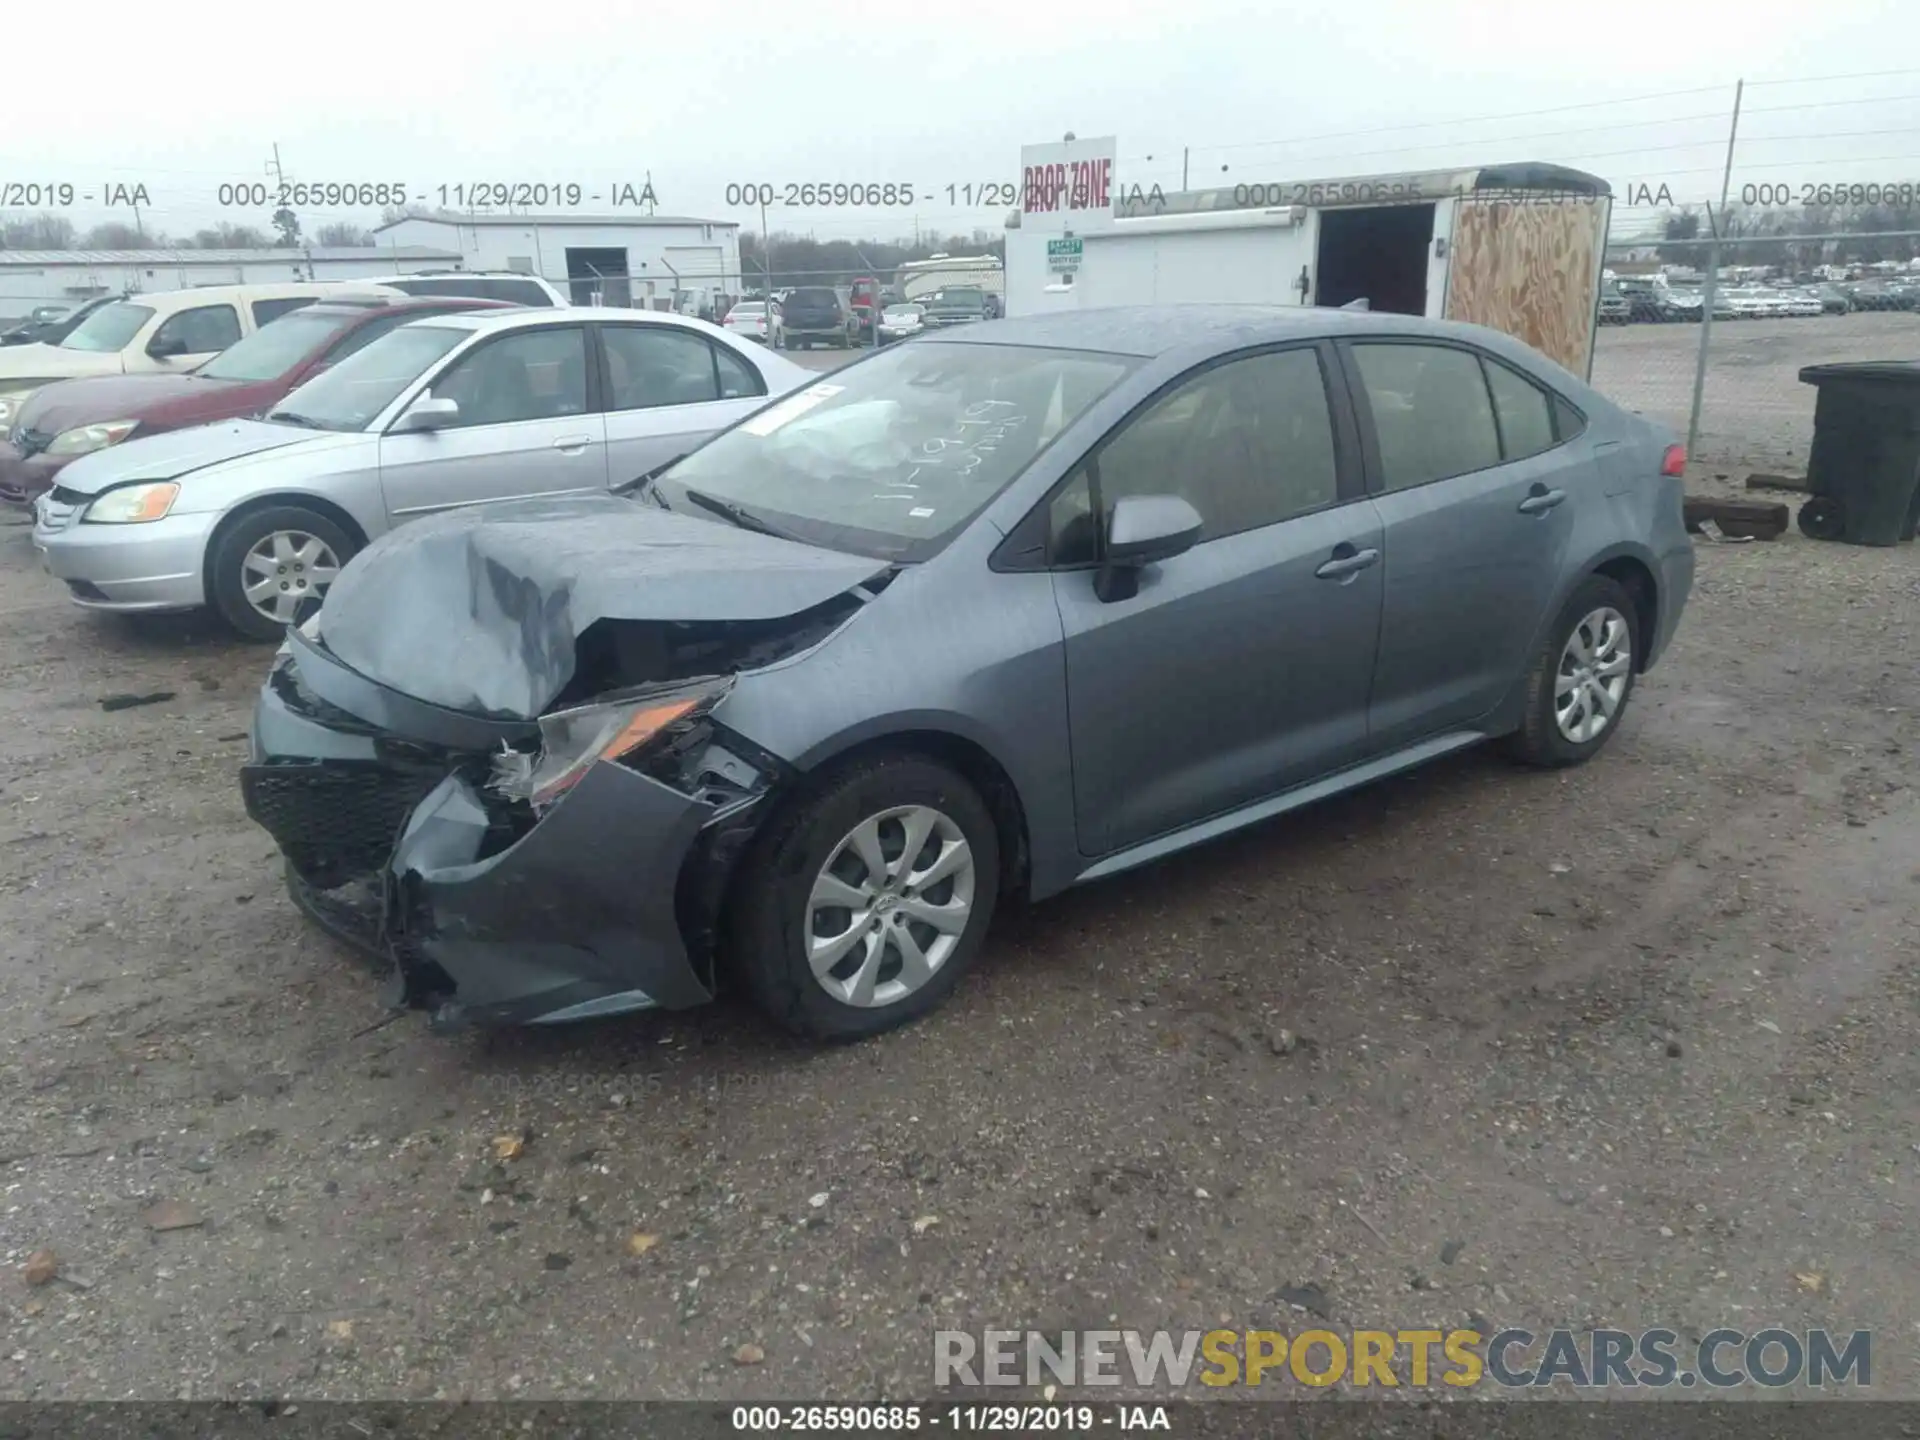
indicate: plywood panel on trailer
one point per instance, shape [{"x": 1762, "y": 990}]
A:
[{"x": 1528, "y": 268}]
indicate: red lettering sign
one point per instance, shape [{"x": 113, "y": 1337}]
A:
[{"x": 1069, "y": 185}]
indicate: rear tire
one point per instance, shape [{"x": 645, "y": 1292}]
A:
[
  {"x": 1570, "y": 686},
  {"x": 304, "y": 575},
  {"x": 778, "y": 920}
]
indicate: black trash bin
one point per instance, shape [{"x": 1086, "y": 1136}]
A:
[{"x": 1864, "y": 470}]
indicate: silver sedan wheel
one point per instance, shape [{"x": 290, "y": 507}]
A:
[
  {"x": 889, "y": 906},
  {"x": 1592, "y": 678},
  {"x": 285, "y": 568}
]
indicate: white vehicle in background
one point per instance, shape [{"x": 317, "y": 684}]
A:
[
  {"x": 750, "y": 321},
  {"x": 167, "y": 332},
  {"x": 1803, "y": 302},
  {"x": 919, "y": 278},
  {"x": 511, "y": 286},
  {"x": 901, "y": 322}
]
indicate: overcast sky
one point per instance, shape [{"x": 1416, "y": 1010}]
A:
[{"x": 944, "y": 94}]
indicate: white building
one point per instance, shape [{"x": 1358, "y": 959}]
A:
[
  {"x": 649, "y": 261},
  {"x": 29, "y": 278}
]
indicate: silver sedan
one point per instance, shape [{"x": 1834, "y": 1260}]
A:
[{"x": 254, "y": 518}]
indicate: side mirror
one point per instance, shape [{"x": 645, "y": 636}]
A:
[
  {"x": 429, "y": 412},
  {"x": 1143, "y": 530},
  {"x": 165, "y": 348}
]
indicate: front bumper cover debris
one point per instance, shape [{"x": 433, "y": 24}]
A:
[{"x": 607, "y": 903}]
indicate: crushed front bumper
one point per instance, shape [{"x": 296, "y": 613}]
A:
[{"x": 606, "y": 903}]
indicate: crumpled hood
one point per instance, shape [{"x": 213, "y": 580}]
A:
[
  {"x": 67, "y": 403},
  {"x": 479, "y": 609},
  {"x": 170, "y": 455}
]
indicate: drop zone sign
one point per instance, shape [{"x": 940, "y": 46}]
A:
[{"x": 1067, "y": 186}]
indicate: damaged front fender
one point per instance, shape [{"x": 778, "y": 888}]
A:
[{"x": 576, "y": 918}]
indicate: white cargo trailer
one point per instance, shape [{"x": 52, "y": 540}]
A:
[{"x": 1518, "y": 247}]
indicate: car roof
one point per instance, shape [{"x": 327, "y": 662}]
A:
[
  {"x": 279, "y": 290},
  {"x": 1152, "y": 330},
  {"x": 526, "y": 317}
]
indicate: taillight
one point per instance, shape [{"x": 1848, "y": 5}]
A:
[{"x": 1674, "y": 462}]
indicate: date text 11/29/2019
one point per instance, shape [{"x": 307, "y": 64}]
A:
[
  {"x": 871, "y": 194},
  {"x": 527, "y": 194},
  {"x": 959, "y": 1419}
]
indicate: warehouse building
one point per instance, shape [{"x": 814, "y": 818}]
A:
[
  {"x": 649, "y": 261},
  {"x": 32, "y": 278}
]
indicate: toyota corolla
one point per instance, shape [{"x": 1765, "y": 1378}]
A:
[{"x": 1011, "y": 608}]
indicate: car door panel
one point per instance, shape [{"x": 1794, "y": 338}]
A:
[
  {"x": 1238, "y": 669},
  {"x": 668, "y": 389},
  {"x": 1236, "y": 672},
  {"x": 531, "y": 373},
  {"x": 1471, "y": 564}
]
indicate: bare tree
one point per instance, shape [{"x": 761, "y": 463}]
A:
[
  {"x": 42, "y": 232},
  {"x": 342, "y": 233},
  {"x": 228, "y": 236},
  {"x": 286, "y": 227},
  {"x": 117, "y": 235}
]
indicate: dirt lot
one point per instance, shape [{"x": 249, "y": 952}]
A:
[
  {"x": 1632, "y": 1045},
  {"x": 1755, "y": 411}
]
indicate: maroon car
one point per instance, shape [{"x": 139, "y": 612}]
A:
[{"x": 71, "y": 418}]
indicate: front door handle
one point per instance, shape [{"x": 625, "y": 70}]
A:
[
  {"x": 1347, "y": 562},
  {"x": 1540, "y": 500},
  {"x": 573, "y": 444}
]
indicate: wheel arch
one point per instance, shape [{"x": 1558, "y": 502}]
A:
[
  {"x": 320, "y": 505},
  {"x": 1638, "y": 577},
  {"x": 969, "y": 755}
]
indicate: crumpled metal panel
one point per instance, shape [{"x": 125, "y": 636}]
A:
[{"x": 479, "y": 609}]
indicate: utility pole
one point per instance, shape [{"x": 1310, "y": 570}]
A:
[
  {"x": 1185, "y": 153},
  {"x": 1713, "y": 278}
]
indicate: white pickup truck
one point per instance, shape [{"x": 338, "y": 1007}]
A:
[{"x": 163, "y": 333}]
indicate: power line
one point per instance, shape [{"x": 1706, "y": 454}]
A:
[{"x": 1831, "y": 79}]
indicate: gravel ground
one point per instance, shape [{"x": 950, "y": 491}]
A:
[{"x": 1629, "y": 1045}]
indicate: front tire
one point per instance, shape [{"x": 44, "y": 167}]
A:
[
  {"x": 1581, "y": 679},
  {"x": 266, "y": 567},
  {"x": 865, "y": 902}
]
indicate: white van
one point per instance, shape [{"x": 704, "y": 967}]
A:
[{"x": 167, "y": 332}]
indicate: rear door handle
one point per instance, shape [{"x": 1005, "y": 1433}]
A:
[
  {"x": 1347, "y": 562},
  {"x": 573, "y": 444},
  {"x": 1539, "y": 501}
]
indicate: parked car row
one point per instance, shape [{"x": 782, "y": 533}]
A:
[
  {"x": 604, "y": 676},
  {"x": 1629, "y": 301}
]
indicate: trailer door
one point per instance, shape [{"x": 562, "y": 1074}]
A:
[{"x": 1530, "y": 266}]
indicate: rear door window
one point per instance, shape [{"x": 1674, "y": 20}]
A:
[
  {"x": 1432, "y": 413},
  {"x": 265, "y": 311}
]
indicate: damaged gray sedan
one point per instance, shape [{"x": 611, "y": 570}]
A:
[{"x": 998, "y": 612}]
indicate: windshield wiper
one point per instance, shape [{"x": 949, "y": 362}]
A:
[
  {"x": 727, "y": 510},
  {"x": 292, "y": 417},
  {"x": 640, "y": 483}
]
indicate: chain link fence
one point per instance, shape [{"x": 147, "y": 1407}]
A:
[{"x": 1715, "y": 350}]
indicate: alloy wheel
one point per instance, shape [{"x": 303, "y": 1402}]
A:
[
  {"x": 1591, "y": 680},
  {"x": 890, "y": 905},
  {"x": 284, "y": 569}
]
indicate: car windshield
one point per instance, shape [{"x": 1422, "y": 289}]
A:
[
  {"x": 349, "y": 395},
  {"x": 109, "y": 328},
  {"x": 748, "y": 310},
  {"x": 275, "y": 348},
  {"x": 893, "y": 456}
]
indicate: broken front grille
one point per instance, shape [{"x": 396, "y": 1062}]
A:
[{"x": 335, "y": 819}]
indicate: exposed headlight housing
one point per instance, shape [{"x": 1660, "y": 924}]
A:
[
  {"x": 572, "y": 741},
  {"x": 133, "y": 504},
  {"x": 84, "y": 439}
]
